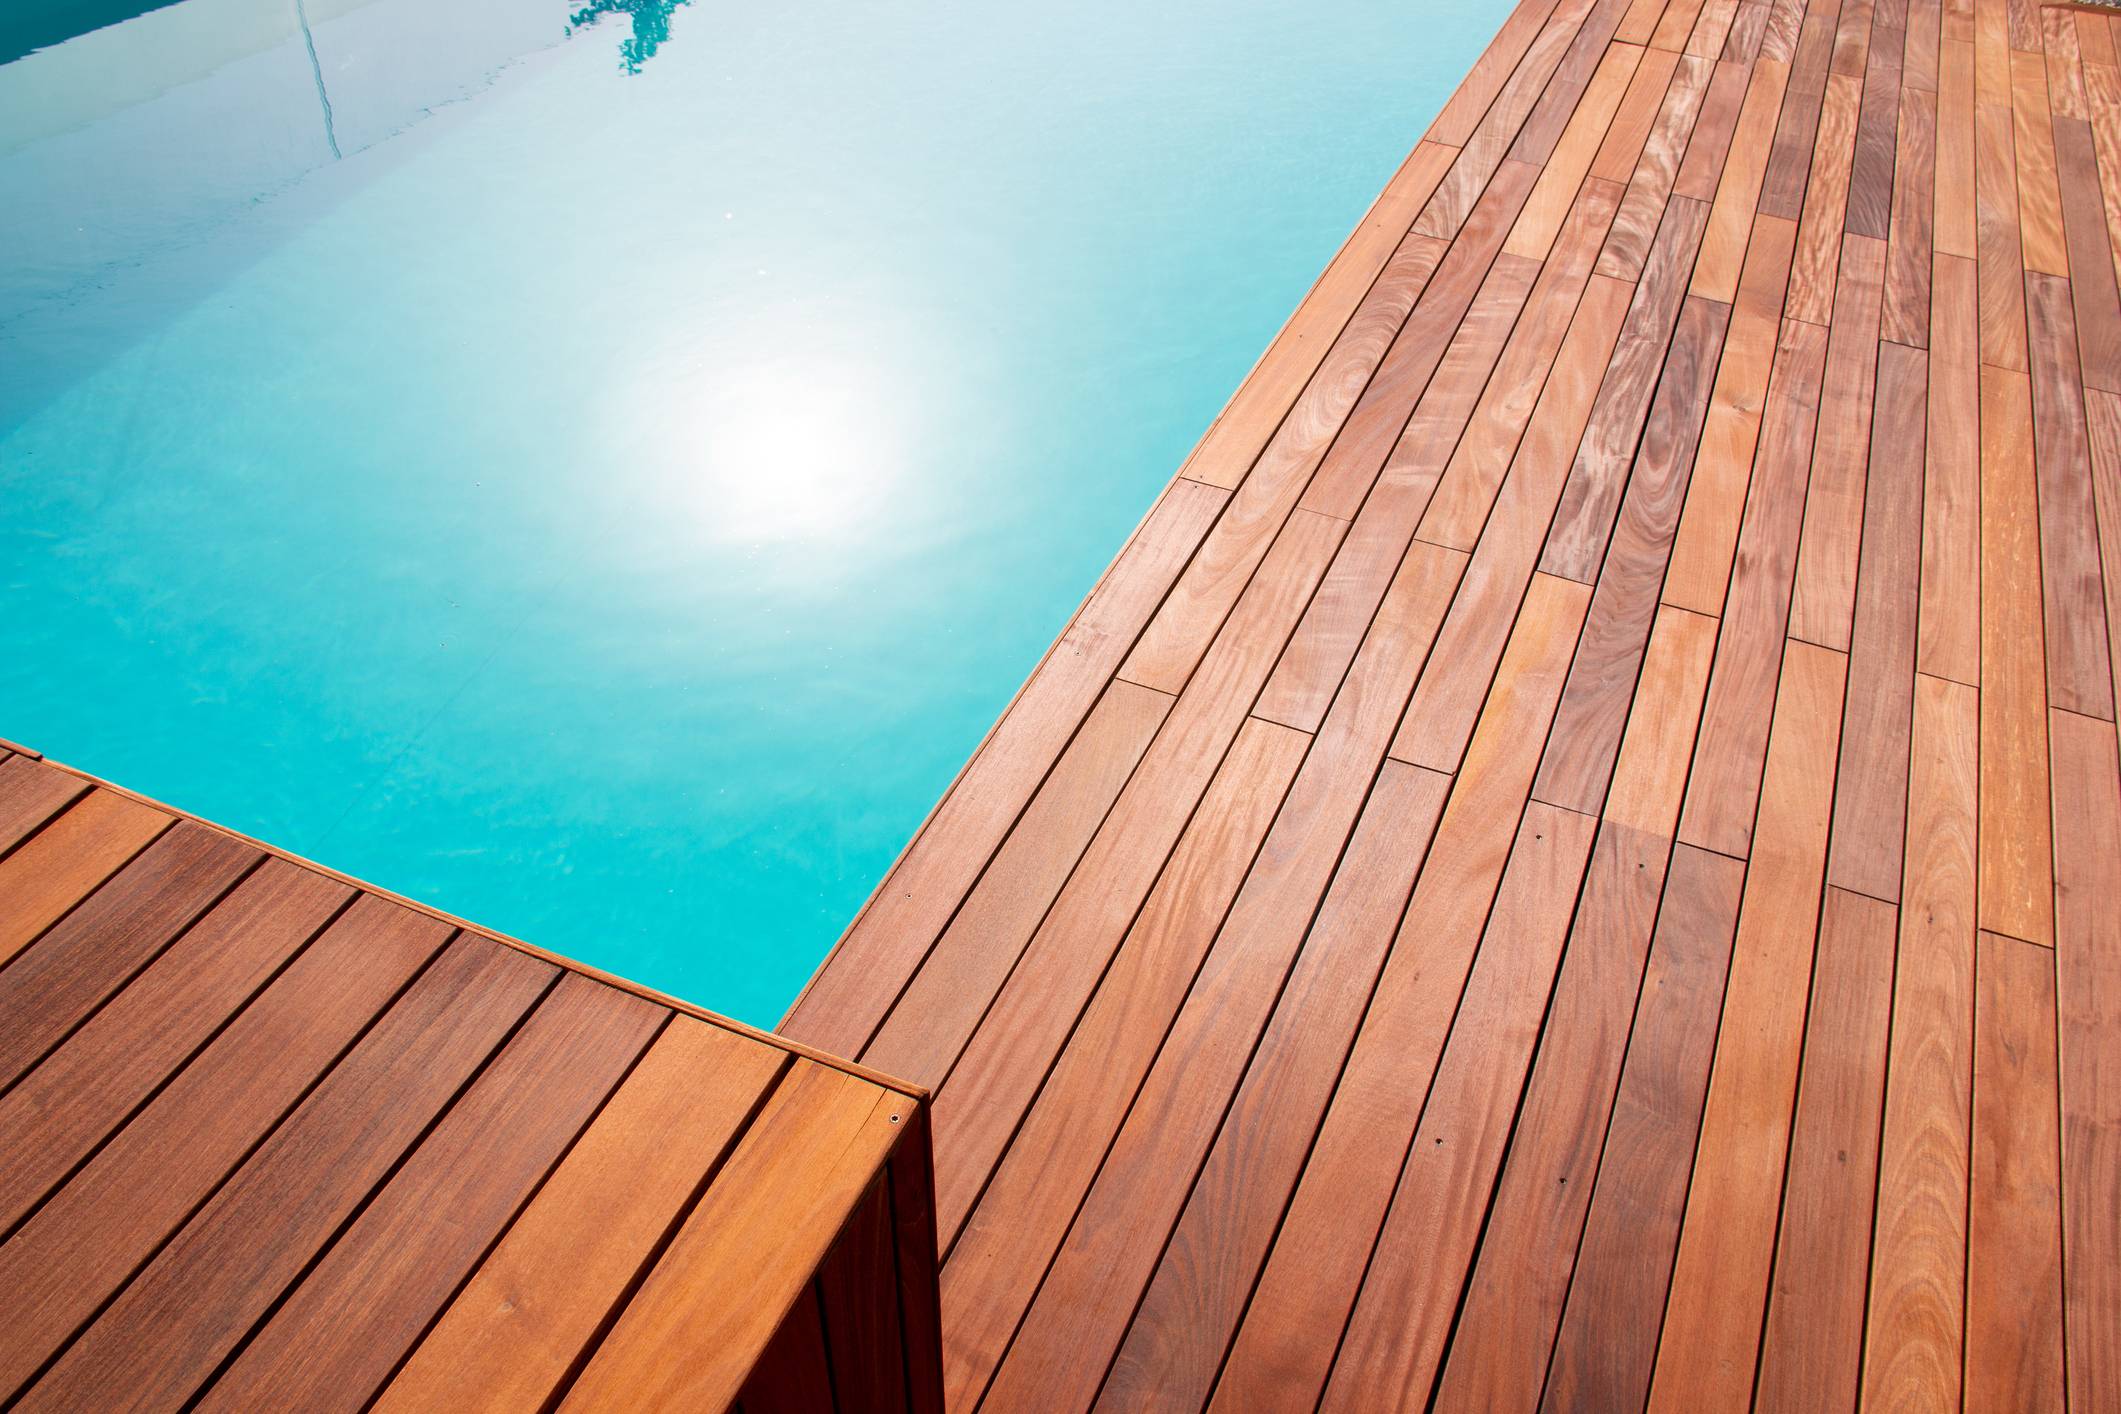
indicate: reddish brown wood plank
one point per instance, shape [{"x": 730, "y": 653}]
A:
[
  {"x": 80, "y": 1248},
  {"x": 1514, "y": 1299},
  {"x": 1712, "y": 1325},
  {"x": 688, "y": 1337},
  {"x": 100, "y": 946},
  {"x": 1465, "y": 486},
  {"x": 86, "y": 1088},
  {"x": 64, "y": 862},
  {"x": 1284, "y": 1349},
  {"x": 1954, "y": 231},
  {"x": 169, "y": 1330},
  {"x": 999, "y": 1265},
  {"x": 2087, "y": 997},
  {"x": 1594, "y": 706},
  {"x": 1734, "y": 729},
  {"x": 1820, "y": 229},
  {"x": 1948, "y": 634},
  {"x": 2091, "y": 257},
  {"x": 339, "y": 1335},
  {"x": 1908, "y": 258},
  {"x": 1996, "y": 236},
  {"x": 1731, "y": 218},
  {"x": 1782, "y": 187},
  {"x": 1811, "y": 1354},
  {"x": 1176, "y": 1342},
  {"x": 2079, "y": 674},
  {"x": 960, "y": 975},
  {"x": 2033, "y": 143},
  {"x": 986, "y": 1095},
  {"x": 1823, "y": 600},
  {"x": 2103, "y": 414},
  {"x": 2016, "y": 873},
  {"x": 1912, "y": 1343},
  {"x": 1700, "y": 568},
  {"x": 1395, "y": 1338},
  {"x": 2014, "y": 1219},
  {"x": 1870, "y": 804},
  {"x": 1652, "y": 185},
  {"x": 31, "y": 793},
  {"x": 1608, "y": 1336},
  {"x": 1440, "y": 719},
  {"x": 537, "y": 1300},
  {"x": 1870, "y": 202},
  {"x": 1584, "y": 519}
]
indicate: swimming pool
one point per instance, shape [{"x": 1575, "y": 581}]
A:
[{"x": 603, "y": 479}]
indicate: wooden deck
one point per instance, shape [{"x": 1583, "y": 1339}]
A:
[
  {"x": 1574, "y": 860},
  {"x": 271, "y": 1140}
]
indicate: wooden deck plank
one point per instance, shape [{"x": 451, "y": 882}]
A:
[
  {"x": 1466, "y": 484},
  {"x": 1208, "y": 1042},
  {"x": 167, "y": 1332},
  {"x": 1515, "y": 1294},
  {"x": 65, "y": 861},
  {"x": 1395, "y": 1339},
  {"x": 2014, "y": 1220},
  {"x": 1870, "y": 802},
  {"x": 1583, "y": 522},
  {"x": 31, "y": 794},
  {"x": 84, "y": 1090},
  {"x": 1285, "y": 1346},
  {"x": 1731, "y": 216},
  {"x": 1948, "y": 621},
  {"x": 1700, "y": 569},
  {"x": 772, "y": 1210},
  {"x": 1811, "y": 1352},
  {"x": 942, "y": 1004},
  {"x": 1176, "y": 1342},
  {"x": 1823, "y": 597},
  {"x": 99, "y": 947},
  {"x": 1440, "y": 720},
  {"x": 531, "y": 1310},
  {"x": 1585, "y": 742},
  {"x": 1734, "y": 731},
  {"x": 1906, "y": 316},
  {"x": 987, "y": 1094},
  {"x": 1607, "y": 1341},
  {"x": 2015, "y": 854},
  {"x": 2087, "y": 990},
  {"x": 1912, "y": 1341},
  {"x": 843, "y": 1003},
  {"x": 79, "y": 1248},
  {"x": 2079, "y": 674},
  {"x": 1820, "y": 227},
  {"x": 344, "y": 1329},
  {"x": 1712, "y": 1325}
]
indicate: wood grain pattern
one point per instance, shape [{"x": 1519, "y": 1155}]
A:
[
  {"x": 31, "y": 793},
  {"x": 2015, "y": 855},
  {"x": 80, "y": 1247},
  {"x": 1811, "y": 1351},
  {"x": 1822, "y": 600},
  {"x": 99, "y": 947},
  {"x": 1734, "y": 728},
  {"x": 85, "y": 1089},
  {"x": 1948, "y": 624},
  {"x": 531, "y": 1310},
  {"x": 340, "y": 1333},
  {"x": 1870, "y": 802},
  {"x": 167, "y": 1332},
  {"x": 2014, "y": 1217},
  {"x": 1912, "y": 1342},
  {"x": 2087, "y": 988},
  {"x": 1712, "y": 1325},
  {"x": 67, "y": 859},
  {"x": 1616, "y": 1292}
]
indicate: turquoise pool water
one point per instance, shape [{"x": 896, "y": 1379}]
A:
[{"x": 601, "y": 473}]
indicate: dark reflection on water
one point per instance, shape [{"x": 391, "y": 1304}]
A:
[{"x": 651, "y": 26}]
